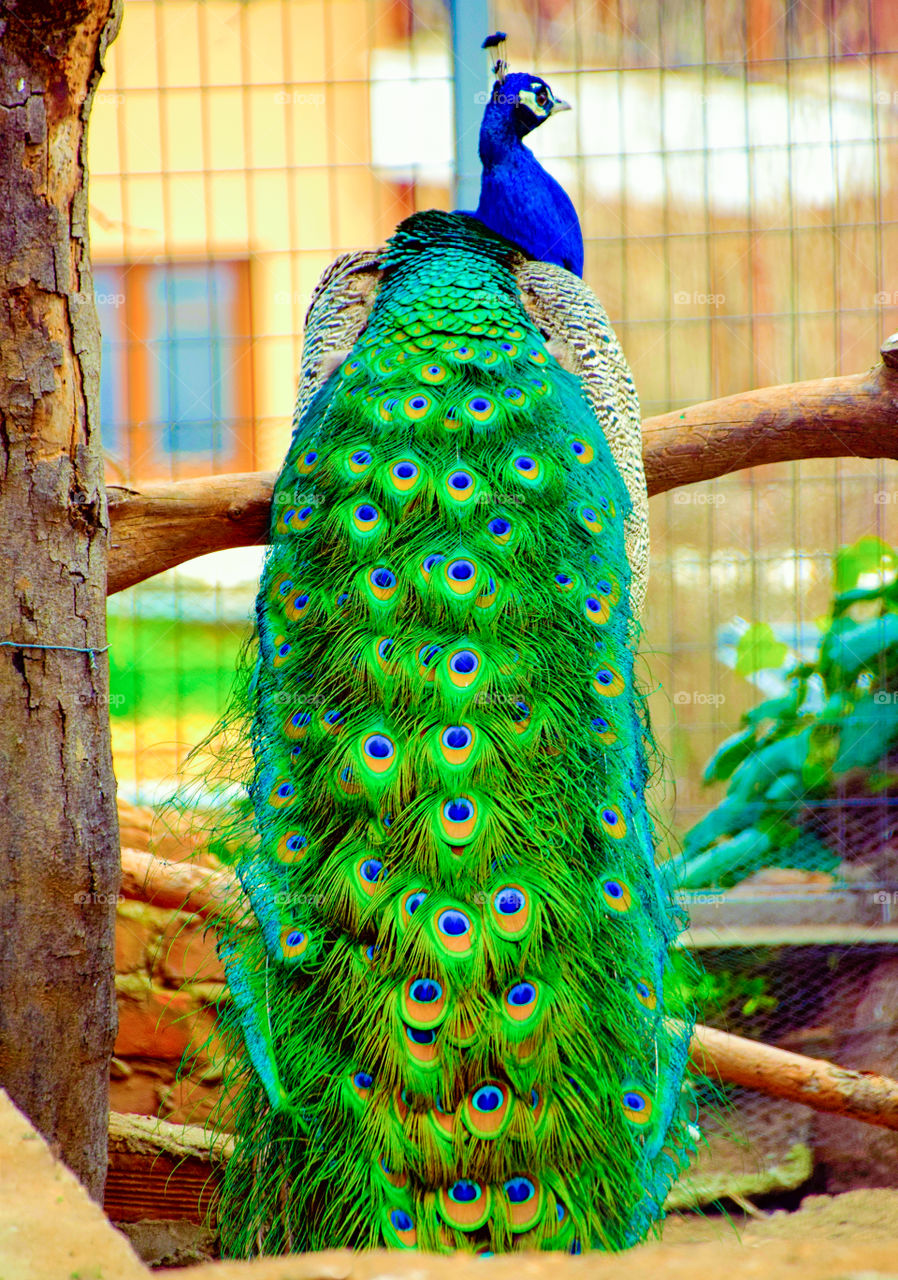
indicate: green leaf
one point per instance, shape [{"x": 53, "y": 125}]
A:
[
  {"x": 785, "y": 708},
  {"x": 850, "y": 647},
  {"x": 787, "y": 791},
  {"x": 788, "y": 755},
  {"x": 731, "y": 859},
  {"x": 868, "y": 733},
  {"x": 731, "y": 752},
  {"x": 731, "y": 815},
  {"x": 867, "y": 555},
  {"x": 759, "y": 650}
]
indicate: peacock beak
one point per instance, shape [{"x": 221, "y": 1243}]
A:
[{"x": 560, "y": 105}]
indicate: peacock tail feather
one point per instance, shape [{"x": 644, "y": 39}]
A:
[{"x": 448, "y": 1013}]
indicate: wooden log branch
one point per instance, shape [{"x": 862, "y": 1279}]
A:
[
  {"x": 181, "y": 886},
  {"x": 850, "y": 417},
  {"x": 862, "y": 1095},
  {"x": 160, "y": 526}
]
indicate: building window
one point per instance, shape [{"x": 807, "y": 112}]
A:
[{"x": 176, "y": 376}]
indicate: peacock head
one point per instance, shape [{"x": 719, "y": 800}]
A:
[{"x": 523, "y": 101}]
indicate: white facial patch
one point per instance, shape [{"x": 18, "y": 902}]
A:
[{"x": 527, "y": 98}]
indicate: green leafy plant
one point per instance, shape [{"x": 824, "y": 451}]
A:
[{"x": 806, "y": 769}]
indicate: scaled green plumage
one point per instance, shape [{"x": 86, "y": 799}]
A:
[{"x": 449, "y": 982}]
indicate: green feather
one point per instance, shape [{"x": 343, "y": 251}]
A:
[{"x": 470, "y": 1047}]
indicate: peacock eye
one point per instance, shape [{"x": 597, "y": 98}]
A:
[{"x": 542, "y": 97}]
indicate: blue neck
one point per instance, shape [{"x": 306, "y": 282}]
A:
[{"x": 520, "y": 200}]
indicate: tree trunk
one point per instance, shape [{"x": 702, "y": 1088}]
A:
[{"x": 59, "y": 864}]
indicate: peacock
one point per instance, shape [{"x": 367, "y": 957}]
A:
[{"x": 449, "y": 1015}]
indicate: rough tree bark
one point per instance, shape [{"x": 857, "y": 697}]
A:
[{"x": 59, "y": 863}]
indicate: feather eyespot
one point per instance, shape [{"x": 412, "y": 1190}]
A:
[
  {"x": 487, "y": 597},
  {"x": 417, "y": 406},
  {"x": 384, "y": 651},
  {"x": 527, "y": 469},
  {"x": 403, "y": 1225},
  {"x": 617, "y": 895},
  {"x": 404, "y": 474},
  {"x": 379, "y": 752},
  {"x": 382, "y": 583},
  {"x": 481, "y": 408},
  {"x": 457, "y": 743},
  {"x": 521, "y": 717},
  {"x": 467, "y": 351},
  {"x": 410, "y": 904},
  {"x": 458, "y": 819},
  {"x": 645, "y": 993},
  {"x": 282, "y": 650},
  {"x": 292, "y": 847},
  {"x": 359, "y": 461},
  {"x": 429, "y": 563},
  {"x": 294, "y": 943},
  {"x": 591, "y": 518},
  {"x": 453, "y": 923},
  {"x": 608, "y": 681},
  {"x": 465, "y": 1205},
  {"x": 602, "y": 729},
  {"x": 613, "y": 823},
  {"x": 347, "y": 783},
  {"x": 464, "y": 667},
  {"x": 537, "y": 357},
  {"x": 583, "y": 451},
  {"x": 500, "y": 529},
  {"x": 637, "y": 1106},
  {"x": 433, "y": 373},
  {"x": 510, "y": 911},
  {"x": 365, "y": 516},
  {"x": 521, "y": 1000},
  {"x": 597, "y": 609},
  {"x": 282, "y": 794},
  {"x": 460, "y": 576},
  {"x": 426, "y": 655},
  {"x": 460, "y": 486},
  {"x": 307, "y": 463}
]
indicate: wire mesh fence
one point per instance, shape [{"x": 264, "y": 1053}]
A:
[{"x": 735, "y": 169}]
